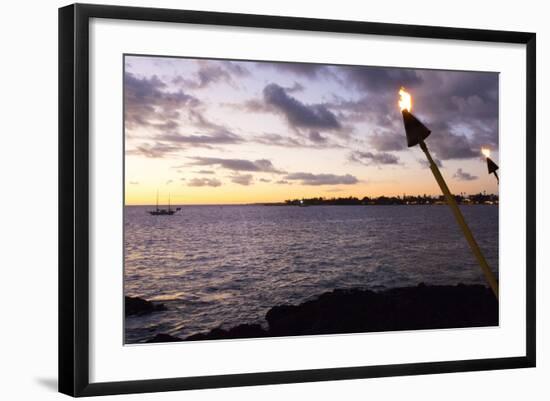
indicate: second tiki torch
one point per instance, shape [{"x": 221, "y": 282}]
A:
[{"x": 492, "y": 167}]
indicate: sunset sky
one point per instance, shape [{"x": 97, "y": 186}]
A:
[{"x": 217, "y": 131}]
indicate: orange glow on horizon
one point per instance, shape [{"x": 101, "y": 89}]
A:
[{"x": 273, "y": 193}]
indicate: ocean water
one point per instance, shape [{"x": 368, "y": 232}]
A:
[{"x": 225, "y": 265}]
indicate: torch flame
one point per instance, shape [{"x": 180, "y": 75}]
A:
[
  {"x": 405, "y": 101},
  {"x": 486, "y": 152}
]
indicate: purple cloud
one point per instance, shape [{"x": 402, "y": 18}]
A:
[
  {"x": 298, "y": 114},
  {"x": 462, "y": 175},
  {"x": 204, "y": 182},
  {"x": 368, "y": 158},
  {"x": 322, "y": 179},
  {"x": 261, "y": 165}
]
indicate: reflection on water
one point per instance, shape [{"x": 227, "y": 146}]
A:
[{"x": 214, "y": 265}]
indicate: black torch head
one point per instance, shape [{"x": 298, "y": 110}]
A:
[
  {"x": 416, "y": 131},
  {"x": 491, "y": 166}
]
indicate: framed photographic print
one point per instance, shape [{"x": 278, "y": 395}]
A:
[{"x": 250, "y": 199}]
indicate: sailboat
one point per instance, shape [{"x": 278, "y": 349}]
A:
[{"x": 163, "y": 212}]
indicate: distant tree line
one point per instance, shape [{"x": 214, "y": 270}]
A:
[{"x": 462, "y": 199}]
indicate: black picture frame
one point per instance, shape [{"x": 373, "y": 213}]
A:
[{"x": 74, "y": 198}]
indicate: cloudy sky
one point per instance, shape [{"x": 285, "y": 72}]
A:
[{"x": 217, "y": 131}]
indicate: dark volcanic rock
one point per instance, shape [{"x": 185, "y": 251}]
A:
[
  {"x": 240, "y": 331},
  {"x": 163, "y": 338},
  {"x": 140, "y": 306},
  {"x": 360, "y": 311},
  {"x": 407, "y": 308}
]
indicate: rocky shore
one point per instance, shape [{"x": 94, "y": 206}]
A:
[
  {"x": 139, "y": 306},
  {"x": 359, "y": 311}
]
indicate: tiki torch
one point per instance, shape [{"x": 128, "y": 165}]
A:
[
  {"x": 416, "y": 134},
  {"x": 492, "y": 167}
]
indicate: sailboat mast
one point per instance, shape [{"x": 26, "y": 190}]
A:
[
  {"x": 157, "y": 199},
  {"x": 168, "y": 201}
]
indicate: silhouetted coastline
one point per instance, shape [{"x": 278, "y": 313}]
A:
[
  {"x": 462, "y": 199},
  {"x": 360, "y": 311}
]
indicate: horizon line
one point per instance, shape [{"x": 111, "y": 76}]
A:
[{"x": 303, "y": 198}]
